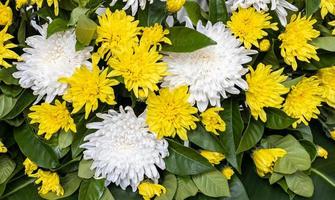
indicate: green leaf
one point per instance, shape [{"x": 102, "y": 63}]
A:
[
  {"x": 300, "y": 184},
  {"x": 152, "y": 14},
  {"x": 275, "y": 177},
  {"x": 218, "y": 11},
  {"x": 212, "y": 184},
  {"x": 107, "y": 195},
  {"x": 185, "y": 161},
  {"x": 21, "y": 33},
  {"x": 310, "y": 147},
  {"x": 303, "y": 132},
  {"x": 24, "y": 100},
  {"x": 326, "y": 60},
  {"x": 7, "y": 167},
  {"x": 7, "y": 77},
  {"x": 312, "y": 6},
  {"x": 192, "y": 42},
  {"x": 70, "y": 183},
  {"x": 170, "y": 183},
  {"x": 91, "y": 189},
  {"x": 292, "y": 82},
  {"x": 76, "y": 14},
  {"x": 278, "y": 119},
  {"x": 6, "y": 105},
  {"x": 325, "y": 43},
  {"x": 84, "y": 170},
  {"x": 251, "y": 136},
  {"x": 57, "y": 25},
  {"x": 11, "y": 90},
  {"x": 16, "y": 185},
  {"x": 65, "y": 139},
  {"x": 128, "y": 194},
  {"x": 270, "y": 57},
  {"x": 34, "y": 148},
  {"x": 186, "y": 188},
  {"x": 296, "y": 158},
  {"x": 85, "y": 30},
  {"x": 29, "y": 192},
  {"x": 193, "y": 10},
  {"x": 232, "y": 134},
  {"x": 237, "y": 190},
  {"x": 205, "y": 140}
]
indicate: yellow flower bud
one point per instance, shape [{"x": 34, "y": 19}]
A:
[
  {"x": 321, "y": 152},
  {"x": 332, "y": 134},
  {"x": 174, "y": 5},
  {"x": 29, "y": 167},
  {"x": 212, "y": 120},
  {"x": 3, "y": 149},
  {"x": 6, "y": 14},
  {"x": 264, "y": 45},
  {"x": 213, "y": 157},
  {"x": 265, "y": 159},
  {"x": 149, "y": 190},
  {"x": 228, "y": 172}
]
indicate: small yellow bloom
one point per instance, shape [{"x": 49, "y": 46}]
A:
[
  {"x": 332, "y": 134},
  {"x": 295, "y": 41},
  {"x": 212, "y": 120},
  {"x": 51, "y": 118},
  {"x": 249, "y": 25},
  {"x": 29, "y": 167},
  {"x": 87, "y": 87},
  {"x": 213, "y": 157},
  {"x": 170, "y": 113},
  {"x": 3, "y": 149},
  {"x": 21, "y": 3},
  {"x": 39, "y": 4},
  {"x": 265, "y": 90},
  {"x": 327, "y": 6},
  {"x": 174, "y": 5},
  {"x": 153, "y": 35},
  {"x": 264, "y": 45},
  {"x": 265, "y": 159},
  {"x": 321, "y": 152},
  {"x": 50, "y": 182},
  {"x": 116, "y": 31},
  {"x": 6, "y": 14},
  {"x": 332, "y": 23},
  {"x": 140, "y": 67},
  {"x": 149, "y": 190},
  {"x": 327, "y": 77},
  {"x": 228, "y": 172},
  {"x": 5, "y": 46},
  {"x": 303, "y": 100}
]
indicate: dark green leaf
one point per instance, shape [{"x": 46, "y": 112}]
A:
[
  {"x": 24, "y": 100},
  {"x": 6, "y": 76},
  {"x": 277, "y": 119},
  {"x": 193, "y": 10},
  {"x": 300, "y": 184},
  {"x": 28, "y": 192},
  {"x": 217, "y": 11},
  {"x": 270, "y": 57},
  {"x": 21, "y": 33},
  {"x": 10, "y": 90},
  {"x": 251, "y": 136},
  {"x": 153, "y": 13},
  {"x": 185, "y": 161},
  {"x": 7, "y": 167},
  {"x": 170, "y": 183},
  {"x": 292, "y": 82},
  {"x": 65, "y": 139},
  {"x": 91, "y": 189},
  {"x": 212, "y": 184},
  {"x": 326, "y": 43},
  {"x": 193, "y": 40},
  {"x": 120, "y": 194},
  {"x": 237, "y": 190},
  {"x": 57, "y": 25},
  {"x": 326, "y": 60},
  {"x": 312, "y": 6},
  {"x": 34, "y": 148},
  {"x": 6, "y": 105},
  {"x": 84, "y": 170},
  {"x": 186, "y": 188},
  {"x": 107, "y": 195}
]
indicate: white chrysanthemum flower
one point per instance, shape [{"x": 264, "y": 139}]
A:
[
  {"x": 279, "y": 6},
  {"x": 48, "y": 59},
  {"x": 213, "y": 71},
  {"x": 123, "y": 150},
  {"x": 133, "y": 4}
]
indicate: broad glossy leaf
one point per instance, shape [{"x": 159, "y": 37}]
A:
[
  {"x": 326, "y": 43},
  {"x": 57, "y": 25},
  {"x": 185, "y": 161},
  {"x": 65, "y": 139},
  {"x": 34, "y": 148},
  {"x": 204, "y": 139},
  {"x": 300, "y": 184},
  {"x": 107, "y": 195},
  {"x": 76, "y": 14},
  {"x": 270, "y": 57},
  {"x": 70, "y": 183},
  {"x": 192, "y": 42},
  {"x": 85, "y": 30},
  {"x": 25, "y": 99},
  {"x": 326, "y": 60},
  {"x": 128, "y": 194},
  {"x": 251, "y": 136},
  {"x": 311, "y": 6},
  {"x": 170, "y": 183},
  {"x": 193, "y": 10},
  {"x": 17, "y": 185},
  {"x": 212, "y": 184},
  {"x": 6, "y": 105},
  {"x": 7, "y": 167},
  {"x": 10, "y": 90},
  {"x": 28, "y": 192},
  {"x": 84, "y": 170},
  {"x": 277, "y": 119},
  {"x": 186, "y": 188},
  {"x": 153, "y": 13},
  {"x": 217, "y": 11},
  {"x": 91, "y": 189},
  {"x": 6, "y": 76},
  {"x": 237, "y": 190},
  {"x": 292, "y": 82}
]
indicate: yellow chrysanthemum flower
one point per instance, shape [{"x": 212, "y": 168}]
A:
[
  {"x": 3, "y": 149},
  {"x": 327, "y": 6},
  {"x": 332, "y": 134},
  {"x": 170, "y": 113},
  {"x": 6, "y": 14},
  {"x": 174, "y": 5},
  {"x": 264, "y": 45},
  {"x": 249, "y": 25},
  {"x": 140, "y": 67},
  {"x": 29, "y": 167},
  {"x": 51, "y": 118},
  {"x": 265, "y": 90},
  {"x": 212, "y": 120},
  {"x": 21, "y": 3},
  {"x": 5, "y": 46},
  {"x": 265, "y": 159},
  {"x": 327, "y": 77},
  {"x": 149, "y": 190},
  {"x": 213, "y": 157},
  {"x": 228, "y": 172},
  {"x": 303, "y": 100},
  {"x": 87, "y": 87},
  {"x": 116, "y": 31},
  {"x": 50, "y": 182},
  {"x": 39, "y": 3},
  {"x": 332, "y": 23},
  {"x": 153, "y": 35},
  {"x": 321, "y": 152},
  {"x": 295, "y": 40}
]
